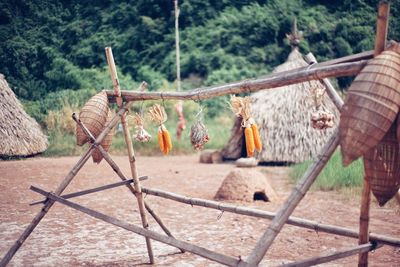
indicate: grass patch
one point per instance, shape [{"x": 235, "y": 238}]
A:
[{"x": 334, "y": 176}]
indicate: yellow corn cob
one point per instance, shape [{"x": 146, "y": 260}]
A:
[
  {"x": 167, "y": 141},
  {"x": 161, "y": 140},
  {"x": 248, "y": 134},
  {"x": 257, "y": 139}
]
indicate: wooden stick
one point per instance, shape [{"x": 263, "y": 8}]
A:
[
  {"x": 294, "y": 199},
  {"x": 308, "y": 224},
  {"x": 333, "y": 94},
  {"x": 398, "y": 197},
  {"x": 350, "y": 58},
  {"x": 272, "y": 80},
  {"x": 93, "y": 190},
  {"x": 178, "y": 62},
  {"x": 220, "y": 258},
  {"x": 131, "y": 152},
  {"x": 382, "y": 25},
  {"x": 380, "y": 44},
  {"x": 333, "y": 256},
  {"x": 364, "y": 222}
]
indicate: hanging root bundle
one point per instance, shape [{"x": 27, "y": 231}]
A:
[
  {"x": 158, "y": 115},
  {"x": 198, "y": 135},
  {"x": 320, "y": 119},
  {"x": 141, "y": 134},
  {"x": 241, "y": 106}
]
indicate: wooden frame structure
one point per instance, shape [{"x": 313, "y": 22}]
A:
[{"x": 350, "y": 65}]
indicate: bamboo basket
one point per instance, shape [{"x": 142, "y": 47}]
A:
[
  {"x": 106, "y": 143},
  {"x": 371, "y": 106},
  {"x": 382, "y": 167},
  {"x": 94, "y": 116}
]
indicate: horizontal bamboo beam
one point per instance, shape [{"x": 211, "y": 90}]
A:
[
  {"x": 334, "y": 255},
  {"x": 273, "y": 80},
  {"x": 214, "y": 256},
  {"x": 308, "y": 224},
  {"x": 350, "y": 58},
  {"x": 93, "y": 190}
]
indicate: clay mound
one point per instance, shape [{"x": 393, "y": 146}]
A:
[{"x": 246, "y": 185}]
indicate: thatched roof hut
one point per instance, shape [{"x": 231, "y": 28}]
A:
[
  {"x": 20, "y": 135},
  {"x": 284, "y": 118}
]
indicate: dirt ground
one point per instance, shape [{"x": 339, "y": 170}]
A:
[{"x": 66, "y": 237}]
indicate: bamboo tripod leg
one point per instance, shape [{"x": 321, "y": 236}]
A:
[
  {"x": 138, "y": 189},
  {"x": 45, "y": 208},
  {"x": 398, "y": 197},
  {"x": 294, "y": 199},
  {"x": 364, "y": 222}
]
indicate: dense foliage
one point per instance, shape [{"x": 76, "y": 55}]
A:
[{"x": 48, "y": 46}]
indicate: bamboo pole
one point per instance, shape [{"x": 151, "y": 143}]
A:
[
  {"x": 178, "y": 62},
  {"x": 333, "y": 94},
  {"x": 333, "y": 256},
  {"x": 398, "y": 197},
  {"x": 382, "y": 25},
  {"x": 220, "y": 258},
  {"x": 380, "y": 44},
  {"x": 270, "y": 81},
  {"x": 308, "y": 224},
  {"x": 131, "y": 152},
  {"x": 66, "y": 181},
  {"x": 294, "y": 199},
  {"x": 364, "y": 222},
  {"x": 92, "y": 190}
]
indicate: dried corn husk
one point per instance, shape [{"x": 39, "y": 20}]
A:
[
  {"x": 371, "y": 106},
  {"x": 106, "y": 143},
  {"x": 198, "y": 135},
  {"x": 141, "y": 134},
  {"x": 94, "y": 115},
  {"x": 158, "y": 115},
  {"x": 382, "y": 167}
]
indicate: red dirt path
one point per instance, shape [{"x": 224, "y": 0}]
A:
[{"x": 66, "y": 237}]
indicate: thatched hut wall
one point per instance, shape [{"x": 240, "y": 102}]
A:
[
  {"x": 283, "y": 115},
  {"x": 20, "y": 135}
]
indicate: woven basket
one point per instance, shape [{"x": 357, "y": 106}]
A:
[
  {"x": 106, "y": 143},
  {"x": 382, "y": 167},
  {"x": 371, "y": 106},
  {"x": 94, "y": 116}
]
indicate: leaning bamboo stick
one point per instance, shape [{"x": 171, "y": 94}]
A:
[
  {"x": 294, "y": 199},
  {"x": 398, "y": 197},
  {"x": 333, "y": 256},
  {"x": 272, "y": 80},
  {"x": 332, "y": 93},
  {"x": 220, "y": 258},
  {"x": 131, "y": 152},
  {"x": 380, "y": 44},
  {"x": 67, "y": 180},
  {"x": 364, "y": 222},
  {"x": 382, "y": 25},
  {"x": 308, "y": 224}
]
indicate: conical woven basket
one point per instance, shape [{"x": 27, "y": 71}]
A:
[
  {"x": 382, "y": 167},
  {"x": 94, "y": 116},
  {"x": 371, "y": 106},
  {"x": 106, "y": 143}
]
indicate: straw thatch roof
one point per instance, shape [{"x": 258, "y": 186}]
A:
[
  {"x": 283, "y": 117},
  {"x": 20, "y": 135}
]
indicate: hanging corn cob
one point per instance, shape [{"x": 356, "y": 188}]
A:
[
  {"x": 158, "y": 115},
  {"x": 321, "y": 118},
  {"x": 141, "y": 134},
  {"x": 241, "y": 106}
]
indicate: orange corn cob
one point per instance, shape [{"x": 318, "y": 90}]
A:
[
  {"x": 257, "y": 139},
  {"x": 167, "y": 141},
  {"x": 248, "y": 134},
  {"x": 161, "y": 140}
]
